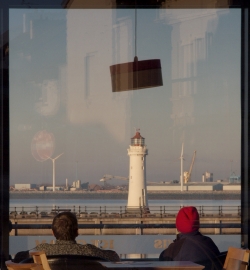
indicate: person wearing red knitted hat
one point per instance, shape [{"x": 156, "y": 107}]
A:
[
  {"x": 190, "y": 244},
  {"x": 187, "y": 220}
]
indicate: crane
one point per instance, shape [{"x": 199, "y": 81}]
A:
[
  {"x": 108, "y": 177},
  {"x": 187, "y": 175}
]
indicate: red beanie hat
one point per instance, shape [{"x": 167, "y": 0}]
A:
[{"x": 187, "y": 220}]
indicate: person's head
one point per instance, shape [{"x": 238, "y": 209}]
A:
[
  {"x": 65, "y": 226},
  {"x": 187, "y": 220}
]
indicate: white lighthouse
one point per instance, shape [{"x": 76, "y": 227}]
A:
[{"x": 137, "y": 193}]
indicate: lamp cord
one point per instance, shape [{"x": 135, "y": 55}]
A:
[{"x": 135, "y": 31}]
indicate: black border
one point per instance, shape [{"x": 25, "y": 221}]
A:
[
  {"x": 245, "y": 161},
  {"x": 5, "y": 5}
]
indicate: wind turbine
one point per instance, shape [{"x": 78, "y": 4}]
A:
[
  {"x": 182, "y": 167},
  {"x": 54, "y": 171}
]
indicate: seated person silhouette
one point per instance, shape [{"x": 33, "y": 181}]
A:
[
  {"x": 65, "y": 230},
  {"x": 190, "y": 244}
]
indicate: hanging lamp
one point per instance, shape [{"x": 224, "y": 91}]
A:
[{"x": 136, "y": 75}]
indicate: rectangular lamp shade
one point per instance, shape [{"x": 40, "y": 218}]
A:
[{"x": 136, "y": 75}]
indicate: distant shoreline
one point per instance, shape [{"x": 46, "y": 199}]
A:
[{"x": 166, "y": 195}]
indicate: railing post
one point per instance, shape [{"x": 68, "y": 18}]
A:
[
  {"x": 220, "y": 211},
  {"x": 16, "y": 229},
  {"x": 161, "y": 211}
]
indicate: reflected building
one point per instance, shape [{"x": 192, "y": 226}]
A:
[
  {"x": 90, "y": 97},
  {"x": 191, "y": 44},
  {"x": 202, "y": 93}
]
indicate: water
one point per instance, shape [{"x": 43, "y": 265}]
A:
[
  {"x": 100, "y": 205},
  {"x": 99, "y": 202}
]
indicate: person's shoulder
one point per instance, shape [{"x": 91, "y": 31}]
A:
[
  {"x": 210, "y": 241},
  {"x": 42, "y": 246},
  {"x": 91, "y": 248},
  {"x": 206, "y": 241},
  {"x": 107, "y": 254},
  {"x": 206, "y": 238},
  {"x": 173, "y": 249},
  {"x": 87, "y": 246},
  {"x": 197, "y": 236}
]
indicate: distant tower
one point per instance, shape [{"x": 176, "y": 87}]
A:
[{"x": 137, "y": 193}]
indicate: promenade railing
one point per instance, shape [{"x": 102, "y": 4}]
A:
[
  {"x": 141, "y": 227},
  {"x": 119, "y": 211}
]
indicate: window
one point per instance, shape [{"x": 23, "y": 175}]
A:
[{"x": 66, "y": 124}]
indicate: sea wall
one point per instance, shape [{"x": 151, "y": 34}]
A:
[{"x": 166, "y": 195}]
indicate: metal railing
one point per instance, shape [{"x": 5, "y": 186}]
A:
[
  {"x": 120, "y": 211},
  {"x": 130, "y": 226},
  {"x": 140, "y": 226}
]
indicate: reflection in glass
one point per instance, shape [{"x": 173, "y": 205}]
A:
[{"x": 60, "y": 83}]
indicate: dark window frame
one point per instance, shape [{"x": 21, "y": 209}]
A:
[{"x": 4, "y": 92}]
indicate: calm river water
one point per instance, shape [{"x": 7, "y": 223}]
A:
[{"x": 116, "y": 205}]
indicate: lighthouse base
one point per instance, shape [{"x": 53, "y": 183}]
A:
[{"x": 137, "y": 210}]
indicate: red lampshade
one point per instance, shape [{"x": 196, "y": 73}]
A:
[{"x": 136, "y": 75}]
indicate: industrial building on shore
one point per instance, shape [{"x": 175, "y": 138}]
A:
[
  {"x": 195, "y": 186},
  {"x": 151, "y": 187}
]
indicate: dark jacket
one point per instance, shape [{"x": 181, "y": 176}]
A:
[{"x": 192, "y": 246}]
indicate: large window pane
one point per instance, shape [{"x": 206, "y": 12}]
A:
[{"x": 62, "y": 107}]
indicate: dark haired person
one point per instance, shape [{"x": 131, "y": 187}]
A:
[
  {"x": 190, "y": 244},
  {"x": 65, "y": 230}
]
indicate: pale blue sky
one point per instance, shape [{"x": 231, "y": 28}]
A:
[{"x": 60, "y": 82}]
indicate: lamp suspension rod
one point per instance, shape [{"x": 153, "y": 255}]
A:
[{"x": 135, "y": 30}]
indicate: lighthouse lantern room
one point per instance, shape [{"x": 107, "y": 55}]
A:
[{"x": 137, "y": 193}]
